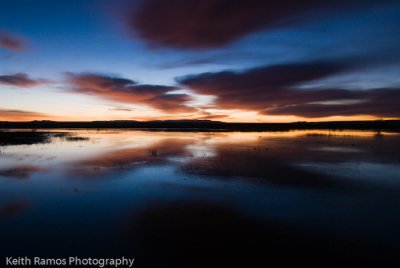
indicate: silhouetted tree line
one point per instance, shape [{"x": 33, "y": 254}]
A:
[{"x": 205, "y": 125}]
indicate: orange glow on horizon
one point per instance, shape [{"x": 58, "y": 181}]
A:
[{"x": 22, "y": 117}]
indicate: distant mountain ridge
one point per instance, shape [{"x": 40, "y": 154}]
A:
[{"x": 206, "y": 125}]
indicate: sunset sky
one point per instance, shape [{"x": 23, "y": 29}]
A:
[{"x": 226, "y": 60}]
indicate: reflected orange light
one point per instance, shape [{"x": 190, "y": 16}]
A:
[{"x": 221, "y": 115}]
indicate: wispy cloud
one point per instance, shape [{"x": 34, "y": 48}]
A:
[
  {"x": 276, "y": 90},
  {"x": 128, "y": 91},
  {"x": 21, "y": 80},
  {"x": 12, "y": 42},
  {"x": 20, "y": 115}
]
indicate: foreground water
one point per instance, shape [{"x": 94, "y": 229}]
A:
[{"x": 187, "y": 199}]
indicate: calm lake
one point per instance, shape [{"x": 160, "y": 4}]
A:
[{"x": 202, "y": 199}]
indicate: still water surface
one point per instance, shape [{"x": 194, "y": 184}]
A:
[{"x": 203, "y": 199}]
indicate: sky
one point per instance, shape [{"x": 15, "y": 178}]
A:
[{"x": 225, "y": 60}]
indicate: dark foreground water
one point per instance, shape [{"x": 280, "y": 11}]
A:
[{"x": 182, "y": 199}]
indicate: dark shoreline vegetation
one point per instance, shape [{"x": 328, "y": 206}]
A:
[
  {"x": 34, "y": 137},
  {"x": 207, "y": 125}
]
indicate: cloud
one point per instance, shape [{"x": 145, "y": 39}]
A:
[
  {"x": 260, "y": 165},
  {"x": 21, "y": 80},
  {"x": 129, "y": 158},
  {"x": 204, "y": 115},
  {"x": 213, "y": 117},
  {"x": 121, "y": 108},
  {"x": 376, "y": 102},
  {"x": 260, "y": 87},
  {"x": 276, "y": 90},
  {"x": 128, "y": 91},
  {"x": 215, "y": 23},
  {"x": 12, "y": 42},
  {"x": 19, "y": 115},
  {"x": 20, "y": 172}
]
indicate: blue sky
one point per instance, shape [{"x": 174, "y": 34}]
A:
[{"x": 99, "y": 37}]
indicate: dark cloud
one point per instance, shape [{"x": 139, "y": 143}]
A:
[
  {"x": 21, "y": 80},
  {"x": 261, "y": 87},
  {"x": 214, "y": 23},
  {"x": 377, "y": 102},
  {"x": 204, "y": 115},
  {"x": 213, "y": 117},
  {"x": 129, "y": 91},
  {"x": 276, "y": 90},
  {"x": 12, "y": 42}
]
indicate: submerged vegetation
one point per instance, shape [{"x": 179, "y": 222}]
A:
[
  {"x": 34, "y": 137},
  {"x": 24, "y": 138}
]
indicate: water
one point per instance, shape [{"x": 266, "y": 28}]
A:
[{"x": 223, "y": 199}]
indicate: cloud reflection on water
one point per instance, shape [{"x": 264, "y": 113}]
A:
[
  {"x": 12, "y": 208},
  {"x": 264, "y": 157},
  {"x": 178, "y": 196}
]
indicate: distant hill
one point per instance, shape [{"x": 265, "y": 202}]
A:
[{"x": 205, "y": 125}]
